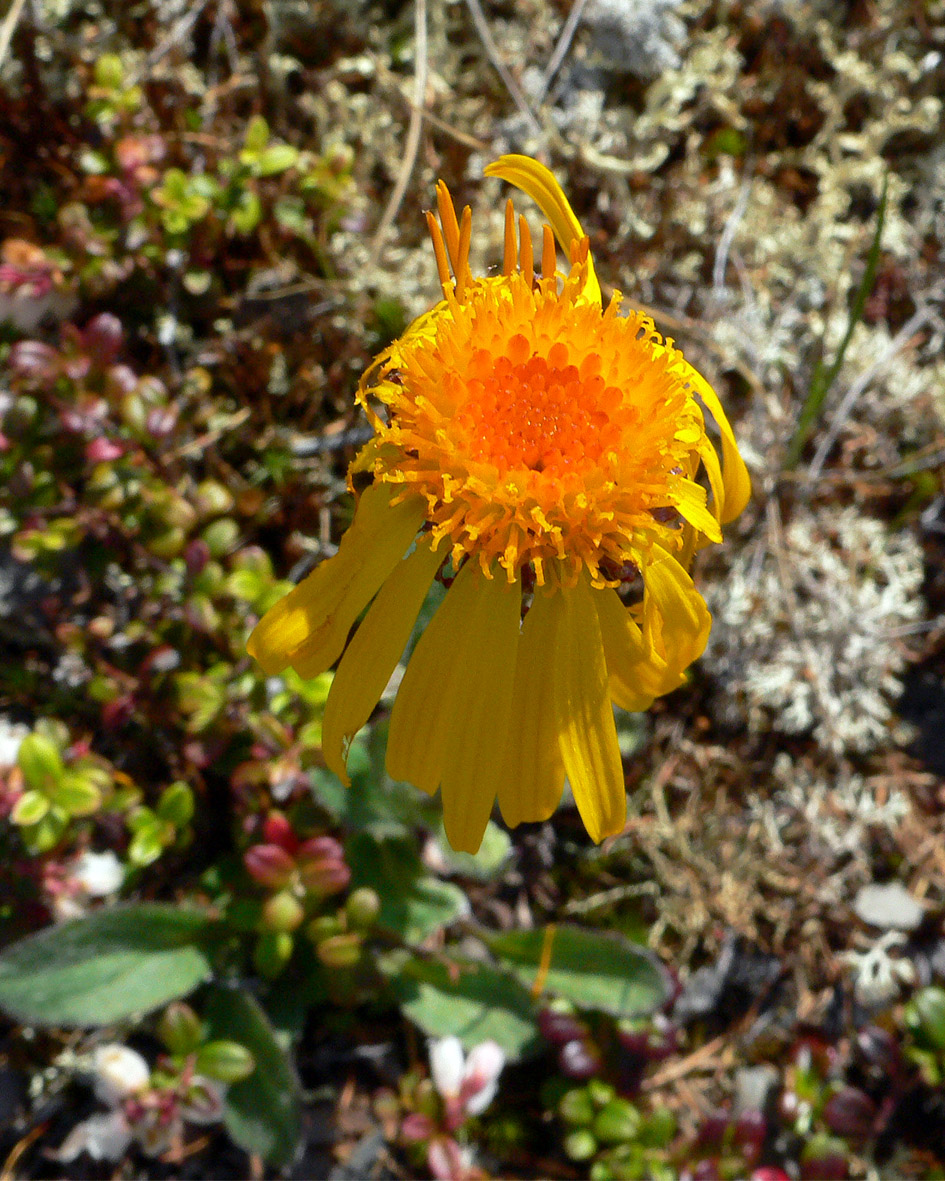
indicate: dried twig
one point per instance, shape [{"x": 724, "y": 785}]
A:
[
  {"x": 560, "y": 50},
  {"x": 492, "y": 52},
  {"x": 725, "y": 241},
  {"x": 412, "y": 145},
  {"x": 9, "y": 26},
  {"x": 850, "y": 398},
  {"x": 174, "y": 37},
  {"x": 392, "y": 81}
]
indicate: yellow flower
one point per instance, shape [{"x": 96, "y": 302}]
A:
[{"x": 539, "y": 452}]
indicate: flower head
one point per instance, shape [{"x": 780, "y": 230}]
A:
[{"x": 541, "y": 451}]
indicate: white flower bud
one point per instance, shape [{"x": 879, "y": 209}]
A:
[
  {"x": 446, "y": 1065},
  {"x": 117, "y": 1073},
  {"x": 481, "y": 1076}
]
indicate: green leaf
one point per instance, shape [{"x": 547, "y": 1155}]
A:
[
  {"x": 149, "y": 841},
  {"x": 593, "y": 969},
  {"x": 174, "y": 221},
  {"x": 413, "y": 904},
  {"x": 247, "y": 212},
  {"x": 226, "y": 1061},
  {"x": 30, "y": 808},
  {"x": 274, "y": 160},
  {"x": 176, "y": 804},
  {"x": 105, "y": 967},
  {"x": 76, "y": 794},
  {"x": 47, "y": 832},
  {"x": 174, "y": 189},
  {"x": 290, "y": 213},
  {"x": 109, "y": 72},
  {"x": 257, "y": 135},
  {"x": 474, "y": 1001},
  {"x": 40, "y": 762},
  {"x": 263, "y": 1112}
]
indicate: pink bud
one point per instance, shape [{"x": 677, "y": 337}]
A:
[
  {"x": 445, "y": 1159},
  {"x": 103, "y": 451},
  {"x": 196, "y": 555},
  {"x": 416, "y": 1128},
  {"x": 270, "y": 865},
  {"x": 32, "y": 358},
  {"x": 118, "y": 713},
  {"x": 325, "y": 877},
  {"x": 320, "y": 849},
  {"x": 103, "y": 338},
  {"x": 161, "y": 421},
  {"x": 278, "y": 831}
]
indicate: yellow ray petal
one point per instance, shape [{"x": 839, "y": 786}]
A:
[
  {"x": 690, "y": 500},
  {"x": 540, "y": 184},
  {"x": 635, "y": 671},
  {"x": 435, "y": 691},
  {"x": 479, "y": 720},
  {"x": 533, "y": 778},
  {"x": 373, "y": 653},
  {"x": 713, "y": 468},
  {"x": 584, "y": 714},
  {"x": 735, "y": 474},
  {"x": 308, "y": 628},
  {"x": 676, "y": 620}
]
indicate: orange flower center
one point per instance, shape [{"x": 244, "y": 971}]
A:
[
  {"x": 541, "y": 429},
  {"x": 522, "y": 411}
]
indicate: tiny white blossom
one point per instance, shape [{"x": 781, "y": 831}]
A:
[
  {"x": 11, "y": 736},
  {"x": 118, "y": 1072},
  {"x": 98, "y": 874},
  {"x": 103, "y": 1137},
  {"x": 481, "y": 1077},
  {"x": 204, "y": 1103},
  {"x": 470, "y": 1082}
]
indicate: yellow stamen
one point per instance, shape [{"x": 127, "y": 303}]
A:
[
  {"x": 549, "y": 258},
  {"x": 526, "y": 256},
  {"x": 447, "y": 212},
  {"x": 461, "y": 263},
  {"x": 439, "y": 250},
  {"x": 508, "y": 256}
]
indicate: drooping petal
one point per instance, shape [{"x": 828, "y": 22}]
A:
[
  {"x": 308, "y": 628},
  {"x": 690, "y": 500},
  {"x": 373, "y": 653},
  {"x": 676, "y": 621},
  {"x": 635, "y": 670},
  {"x": 735, "y": 475},
  {"x": 713, "y": 469},
  {"x": 478, "y": 727},
  {"x": 540, "y": 184},
  {"x": 531, "y": 784},
  {"x": 584, "y": 714},
  {"x": 450, "y": 719}
]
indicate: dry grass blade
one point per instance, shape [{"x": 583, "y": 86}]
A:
[
  {"x": 9, "y": 26},
  {"x": 413, "y": 130},
  {"x": 492, "y": 52},
  {"x": 561, "y": 49}
]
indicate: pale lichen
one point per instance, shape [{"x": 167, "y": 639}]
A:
[{"x": 806, "y": 640}]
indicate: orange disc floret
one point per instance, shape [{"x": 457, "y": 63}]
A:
[{"x": 538, "y": 427}]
